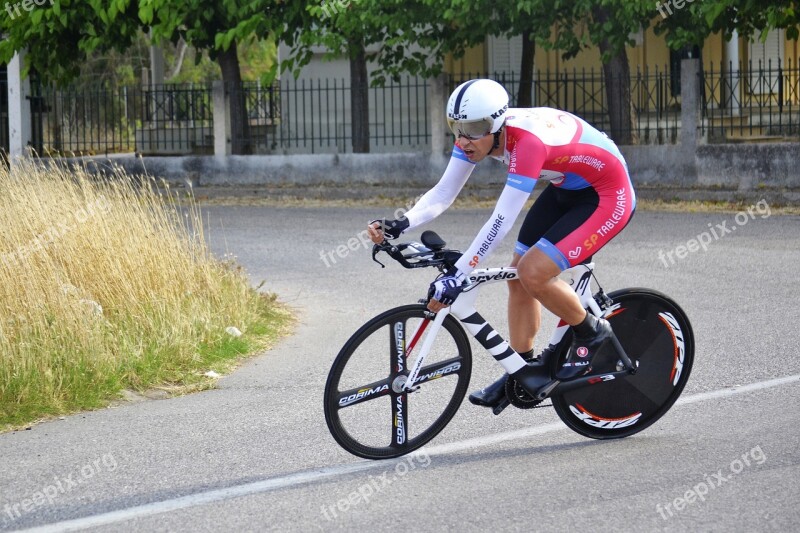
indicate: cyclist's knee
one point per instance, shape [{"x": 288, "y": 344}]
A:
[{"x": 536, "y": 270}]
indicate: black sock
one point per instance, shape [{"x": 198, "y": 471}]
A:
[
  {"x": 586, "y": 328},
  {"x": 527, "y": 355}
]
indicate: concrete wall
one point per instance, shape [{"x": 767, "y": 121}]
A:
[
  {"x": 749, "y": 166},
  {"x": 727, "y": 167}
]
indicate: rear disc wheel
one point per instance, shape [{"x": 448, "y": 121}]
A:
[{"x": 654, "y": 331}]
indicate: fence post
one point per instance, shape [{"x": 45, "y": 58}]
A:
[
  {"x": 157, "y": 83},
  {"x": 730, "y": 98},
  {"x": 691, "y": 93},
  {"x": 19, "y": 109},
  {"x": 222, "y": 119},
  {"x": 436, "y": 114}
]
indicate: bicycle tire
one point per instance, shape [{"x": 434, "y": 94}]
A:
[
  {"x": 362, "y": 375},
  {"x": 650, "y": 326}
]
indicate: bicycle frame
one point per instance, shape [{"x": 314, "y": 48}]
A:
[{"x": 465, "y": 311}]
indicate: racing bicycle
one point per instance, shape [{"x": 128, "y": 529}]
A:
[{"x": 400, "y": 379}]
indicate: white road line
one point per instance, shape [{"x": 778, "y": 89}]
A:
[
  {"x": 739, "y": 389},
  {"x": 269, "y": 485}
]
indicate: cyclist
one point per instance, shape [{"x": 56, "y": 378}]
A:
[{"x": 588, "y": 201}]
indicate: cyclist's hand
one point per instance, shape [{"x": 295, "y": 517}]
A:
[
  {"x": 444, "y": 291},
  {"x": 389, "y": 229},
  {"x": 375, "y": 232}
]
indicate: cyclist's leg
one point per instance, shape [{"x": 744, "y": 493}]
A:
[
  {"x": 571, "y": 242},
  {"x": 524, "y": 314},
  {"x": 539, "y": 275},
  {"x": 582, "y": 232},
  {"x": 525, "y": 311},
  {"x": 538, "y": 267}
]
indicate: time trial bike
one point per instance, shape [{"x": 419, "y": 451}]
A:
[{"x": 399, "y": 379}]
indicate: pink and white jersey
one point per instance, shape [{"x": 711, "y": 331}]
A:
[
  {"x": 559, "y": 147},
  {"x": 541, "y": 143}
]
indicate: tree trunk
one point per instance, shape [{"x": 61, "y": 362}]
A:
[
  {"x": 232, "y": 78},
  {"x": 525, "y": 92},
  {"x": 617, "y": 77},
  {"x": 181, "y": 54},
  {"x": 359, "y": 99}
]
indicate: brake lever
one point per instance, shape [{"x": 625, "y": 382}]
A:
[{"x": 375, "y": 249}]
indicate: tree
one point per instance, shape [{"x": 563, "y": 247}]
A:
[
  {"x": 567, "y": 26},
  {"x": 218, "y": 27},
  {"x": 749, "y": 18},
  {"x": 608, "y": 25},
  {"x": 531, "y": 19},
  {"x": 411, "y": 35},
  {"x": 59, "y": 37}
]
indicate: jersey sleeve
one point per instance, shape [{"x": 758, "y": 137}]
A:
[
  {"x": 434, "y": 202},
  {"x": 526, "y": 159}
]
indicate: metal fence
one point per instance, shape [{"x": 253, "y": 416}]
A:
[
  {"x": 656, "y": 107},
  {"x": 752, "y": 102},
  {"x": 314, "y": 116},
  {"x": 165, "y": 119}
]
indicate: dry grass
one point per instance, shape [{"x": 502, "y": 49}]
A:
[{"x": 105, "y": 284}]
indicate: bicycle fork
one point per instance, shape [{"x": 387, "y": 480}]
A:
[{"x": 433, "y": 327}]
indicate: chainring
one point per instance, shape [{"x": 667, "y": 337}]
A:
[{"x": 518, "y": 396}]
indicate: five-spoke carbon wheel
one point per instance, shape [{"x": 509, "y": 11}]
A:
[{"x": 366, "y": 409}]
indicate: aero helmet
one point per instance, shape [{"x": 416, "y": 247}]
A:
[{"x": 477, "y": 108}]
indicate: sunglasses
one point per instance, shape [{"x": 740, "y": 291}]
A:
[{"x": 470, "y": 129}]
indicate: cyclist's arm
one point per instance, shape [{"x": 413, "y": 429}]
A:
[
  {"x": 522, "y": 175},
  {"x": 434, "y": 202}
]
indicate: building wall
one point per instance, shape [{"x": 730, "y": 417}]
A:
[
  {"x": 650, "y": 54},
  {"x": 321, "y": 95},
  {"x": 651, "y": 50},
  {"x": 475, "y": 61}
]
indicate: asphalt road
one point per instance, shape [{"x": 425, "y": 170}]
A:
[{"x": 255, "y": 454}]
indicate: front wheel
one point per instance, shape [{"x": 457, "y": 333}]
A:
[
  {"x": 654, "y": 331},
  {"x": 366, "y": 409}
]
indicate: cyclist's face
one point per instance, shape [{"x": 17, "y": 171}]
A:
[{"x": 478, "y": 149}]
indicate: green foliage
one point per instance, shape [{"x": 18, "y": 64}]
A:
[
  {"x": 750, "y": 18},
  {"x": 60, "y": 37},
  {"x": 608, "y": 24},
  {"x": 214, "y": 26},
  {"x": 412, "y": 36}
]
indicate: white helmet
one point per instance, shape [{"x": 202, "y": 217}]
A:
[{"x": 477, "y": 108}]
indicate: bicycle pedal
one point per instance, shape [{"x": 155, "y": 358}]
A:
[
  {"x": 621, "y": 366},
  {"x": 500, "y": 407}
]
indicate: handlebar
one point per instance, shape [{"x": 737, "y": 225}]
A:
[{"x": 431, "y": 253}]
